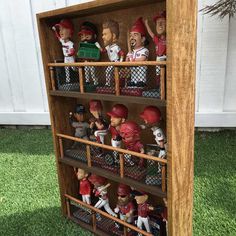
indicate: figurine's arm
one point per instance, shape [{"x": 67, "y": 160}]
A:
[
  {"x": 149, "y": 29},
  {"x": 121, "y": 55},
  {"x": 71, "y": 52},
  {"x": 102, "y": 50},
  {"x": 56, "y": 33}
]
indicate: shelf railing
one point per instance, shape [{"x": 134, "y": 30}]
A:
[
  {"x": 122, "y": 162},
  {"x": 142, "y": 79},
  {"x": 94, "y": 211}
]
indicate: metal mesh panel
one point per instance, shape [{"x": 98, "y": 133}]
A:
[
  {"x": 77, "y": 151},
  {"x": 140, "y": 81},
  {"x": 105, "y": 224},
  {"x": 67, "y": 78},
  {"x": 80, "y": 212}
]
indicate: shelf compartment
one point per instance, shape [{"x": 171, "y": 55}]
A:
[
  {"x": 138, "y": 79},
  {"x": 149, "y": 171},
  {"x": 98, "y": 221}
]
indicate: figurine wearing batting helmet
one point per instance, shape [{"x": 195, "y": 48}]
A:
[
  {"x": 64, "y": 31},
  {"x": 97, "y": 124},
  {"x": 124, "y": 206},
  {"x": 152, "y": 117},
  {"x": 100, "y": 190},
  {"x": 84, "y": 185},
  {"x": 130, "y": 133},
  {"x": 143, "y": 210}
]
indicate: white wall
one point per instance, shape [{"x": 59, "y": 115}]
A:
[{"x": 23, "y": 98}]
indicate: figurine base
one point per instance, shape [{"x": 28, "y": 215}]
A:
[
  {"x": 77, "y": 153},
  {"x": 105, "y": 90},
  {"x": 81, "y": 213},
  {"x": 132, "y": 91}
]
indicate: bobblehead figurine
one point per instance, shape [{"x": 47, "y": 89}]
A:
[
  {"x": 137, "y": 52},
  {"x": 77, "y": 122},
  {"x": 143, "y": 209},
  {"x": 159, "y": 39},
  {"x": 84, "y": 185},
  {"x": 130, "y": 133},
  {"x": 118, "y": 114},
  {"x": 151, "y": 115},
  {"x": 124, "y": 206},
  {"x": 98, "y": 125},
  {"x": 110, "y": 36},
  {"x": 88, "y": 37},
  {"x": 100, "y": 191},
  {"x": 64, "y": 31}
]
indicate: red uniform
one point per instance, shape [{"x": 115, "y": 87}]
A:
[
  {"x": 85, "y": 187},
  {"x": 160, "y": 43},
  {"x": 114, "y": 133},
  {"x": 136, "y": 147},
  {"x": 143, "y": 210},
  {"x": 126, "y": 209}
]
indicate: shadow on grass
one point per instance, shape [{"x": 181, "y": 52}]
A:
[
  {"x": 27, "y": 141},
  {"x": 47, "y": 221}
]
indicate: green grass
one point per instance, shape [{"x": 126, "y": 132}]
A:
[{"x": 29, "y": 196}]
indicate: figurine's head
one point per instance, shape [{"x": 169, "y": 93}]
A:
[
  {"x": 95, "y": 108},
  {"x": 66, "y": 29},
  {"x": 118, "y": 114},
  {"x": 160, "y": 20},
  {"x": 151, "y": 115},
  {"x": 130, "y": 132},
  {"x": 81, "y": 174},
  {"x": 97, "y": 180},
  {"x": 138, "y": 34},
  {"x": 79, "y": 113},
  {"x": 110, "y": 32},
  {"x": 123, "y": 193},
  {"x": 140, "y": 196},
  {"x": 88, "y": 32}
]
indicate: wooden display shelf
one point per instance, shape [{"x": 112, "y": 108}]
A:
[
  {"x": 107, "y": 97},
  {"x": 93, "y": 169}
]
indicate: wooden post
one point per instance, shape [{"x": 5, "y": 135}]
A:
[
  {"x": 181, "y": 63},
  {"x": 68, "y": 207},
  {"x": 162, "y": 83},
  {"x": 81, "y": 79},
  {"x": 163, "y": 177},
  {"x": 61, "y": 147},
  {"x": 121, "y": 165},
  {"x": 125, "y": 231},
  {"x": 94, "y": 221},
  {"x": 52, "y": 78},
  {"x": 117, "y": 81},
  {"x": 88, "y": 154}
]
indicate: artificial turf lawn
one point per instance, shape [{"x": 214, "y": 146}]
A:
[{"x": 29, "y": 196}]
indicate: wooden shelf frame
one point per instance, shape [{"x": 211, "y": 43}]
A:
[
  {"x": 117, "y": 66},
  {"x": 160, "y": 192},
  {"x": 106, "y": 215}
]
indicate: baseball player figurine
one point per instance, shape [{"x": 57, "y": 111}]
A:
[
  {"x": 100, "y": 190},
  {"x": 64, "y": 31},
  {"x": 130, "y": 133},
  {"x": 118, "y": 114},
  {"x": 152, "y": 117},
  {"x": 159, "y": 39},
  {"x": 84, "y": 185},
  {"x": 137, "y": 52},
  {"x": 98, "y": 125},
  {"x": 88, "y": 34},
  {"x": 124, "y": 206},
  {"x": 77, "y": 121},
  {"x": 143, "y": 209},
  {"x": 110, "y": 35}
]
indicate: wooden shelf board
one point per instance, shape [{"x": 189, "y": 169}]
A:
[
  {"x": 107, "y": 97},
  {"x": 107, "y": 174}
]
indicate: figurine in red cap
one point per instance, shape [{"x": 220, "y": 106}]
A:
[
  {"x": 64, "y": 31},
  {"x": 100, "y": 190},
  {"x": 118, "y": 114},
  {"x": 97, "y": 124},
  {"x": 88, "y": 35},
  {"x": 143, "y": 209},
  {"x": 110, "y": 36},
  {"x": 159, "y": 38},
  {"x": 130, "y": 133},
  {"x": 84, "y": 185},
  {"x": 124, "y": 206},
  {"x": 151, "y": 115},
  {"x": 137, "y": 52}
]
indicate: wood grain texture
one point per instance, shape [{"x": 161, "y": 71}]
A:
[{"x": 181, "y": 51}]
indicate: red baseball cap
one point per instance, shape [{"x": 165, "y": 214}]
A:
[
  {"x": 161, "y": 14},
  {"x": 97, "y": 179},
  {"x": 118, "y": 111},
  {"x": 66, "y": 23},
  {"x": 139, "y": 27}
]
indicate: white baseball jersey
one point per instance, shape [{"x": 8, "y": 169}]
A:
[
  {"x": 159, "y": 135},
  {"x": 66, "y": 49},
  {"x": 137, "y": 53},
  {"x": 113, "y": 52}
]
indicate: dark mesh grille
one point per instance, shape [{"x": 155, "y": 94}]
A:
[{"x": 77, "y": 151}]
